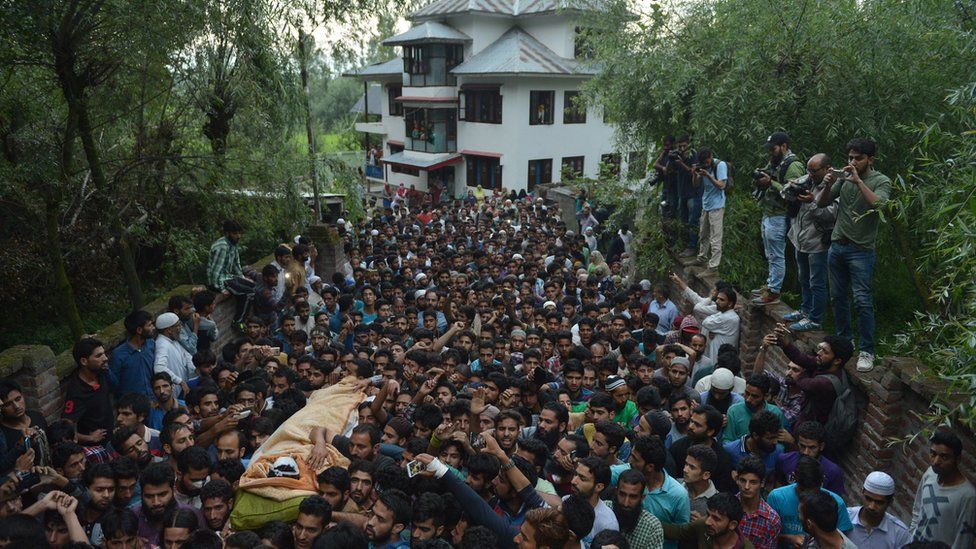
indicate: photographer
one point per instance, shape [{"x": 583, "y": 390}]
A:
[
  {"x": 783, "y": 166},
  {"x": 689, "y": 193},
  {"x": 711, "y": 175},
  {"x": 851, "y": 257},
  {"x": 665, "y": 167},
  {"x": 810, "y": 234}
]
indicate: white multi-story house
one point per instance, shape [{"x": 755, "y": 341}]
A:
[{"x": 484, "y": 94}]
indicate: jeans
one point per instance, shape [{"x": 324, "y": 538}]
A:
[
  {"x": 693, "y": 209},
  {"x": 774, "y": 243},
  {"x": 852, "y": 268},
  {"x": 812, "y": 269}
]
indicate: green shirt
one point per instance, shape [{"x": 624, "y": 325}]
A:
[
  {"x": 625, "y": 417},
  {"x": 772, "y": 203},
  {"x": 739, "y": 417},
  {"x": 857, "y": 220}
]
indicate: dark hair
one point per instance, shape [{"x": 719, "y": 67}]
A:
[
  {"x": 759, "y": 381},
  {"x": 21, "y": 528},
  {"x": 62, "y": 452},
  {"x": 763, "y": 423},
  {"x": 479, "y": 537},
  {"x": 120, "y": 436},
  {"x": 218, "y": 488},
  {"x": 538, "y": 449},
  {"x": 812, "y": 430},
  {"x": 841, "y": 346},
  {"x": 335, "y": 476},
  {"x": 97, "y": 470},
  {"x": 116, "y": 522},
  {"x": 579, "y": 514},
  {"x": 84, "y": 348},
  {"x": 125, "y": 467},
  {"x": 706, "y": 457},
  {"x": 229, "y": 469},
  {"x": 429, "y": 506},
  {"x": 398, "y": 503},
  {"x": 598, "y": 468},
  {"x": 61, "y": 430},
  {"x": 862, "y": 145},
  {"x": 648, "y": 397},
  {"x": 809, "y": 473},
  {"x": 232, "y": 226},
  {"x": 730, "y": 294},
  {"x": 607, "y": 538},
  {"x": 651, "y": 450},
  {"x": 205, "y": 539},
  {"x": 821, "y": 508},
  {"x": 483, "y": 464},
  {"x": 137, "y": 402},
  {"x": 344, "y": 535},
  {"x": 179, "y": 517},
  {"x": 601, "y": 400},
  {"x": 713, "y": 418},
  {"x": 135, "y": 320},
  {"x": 728, "y": 505},
  {"x": 369, "y": 430},
  {"x": 157, "y": 474},
  {"x": 948, "y": 438},
  {"x": 203, "y": 299},
  {"x": 278, "y": 533},
  {"x": 316, "y": 506},
  {"x": 632, "y": 476},
  {"x": 526, "y": 469},
  {"x": 752, "y": 464},
  {"x": 615, "y": 433},
  {"x": 428, "y": 416}
]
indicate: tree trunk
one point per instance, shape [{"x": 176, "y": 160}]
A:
[
  {"x": 123, "y": 248},
  {"x": 303, "y": 54}
]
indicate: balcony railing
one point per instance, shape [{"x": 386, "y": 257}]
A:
[{"x": 375, "y": 172}]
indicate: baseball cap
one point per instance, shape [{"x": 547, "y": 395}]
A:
[{"x": 777, "y": 138}]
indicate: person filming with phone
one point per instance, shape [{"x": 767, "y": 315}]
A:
[{"x": 850, "y": 259}]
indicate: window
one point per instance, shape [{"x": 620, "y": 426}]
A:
[
  {"x": 582, "y": 47},
  {"x": 540, "y": 171},
  {"x": 392, "y": 92},
  {"x": 395, "y": 148},
  {"x": 609, "y": 165},
  {"x": 574, "y": 111},
  {"x": 572, "y": 167},
  {"x": 636, "y": 165},
  {"x": 430, "y": 130},
  {"x": 541, "y": 104},
  {"x": 480, "y": 105},
  {"x": 484, "y": 171},
  {"x": 430, "y": 64},
  {"x": 397, "y": 168}
]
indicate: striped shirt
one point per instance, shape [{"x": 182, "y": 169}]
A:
[{"x": 224, "y": 263}]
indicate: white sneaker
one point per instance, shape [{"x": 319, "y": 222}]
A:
[{"x": 865, "y": 362}]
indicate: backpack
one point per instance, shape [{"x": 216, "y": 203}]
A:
[
  {"x": 729, "y": 172},
  {"x": 842, "y": 421}
]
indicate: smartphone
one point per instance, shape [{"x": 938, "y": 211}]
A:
[
  {"x": 243, "y": 414},
  {"x": 838, "y": 174},
  {"x": 478, "y": 442},
  {"x": 275, "y": 350},
  {"x": 26, "y": 443},
  {"x": 414, "y": 468},
  {"x": 27, "y": 480}
]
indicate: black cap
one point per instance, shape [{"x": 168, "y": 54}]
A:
[{"x": 777, "y": 138}]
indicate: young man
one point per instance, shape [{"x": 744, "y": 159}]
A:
[
  {"x": 809, "y": 442},
  {"x": 712, "y": 177},
  {"x": 314, "y": 514},
  {"x": 87, "y": 400},
  {"x": 850, "y": 259},
  {"x": 216, "y": 503},
  {"x": 760, "y": 523},
  {"x": 391, "y": 515},
  {"x": 874, "y": 527},
  {"x": 785, "y": 500},
  {"x": 164, "y": 399},
  {"x": 132, "y": 410},
  {"x": 700, "y": 464},
  {"x": 705, "y": 422},
  {"x": 641, "y": 528},
  {"x": 761, "y": 441},
  {"x": 817, "y": 514},
  {"x": 193, "y": 467},
  {"x": 99, "y": 481},
  {"x": 754, "y": 400},
  {"x": 592, "y": 476},
  {"x": 157, "y": 500},
  {"x": 334, "y": 486},
  {"x": 718, "y": 530},
  {"x": 665, "y": 497},
  {"x": 131, "y": 366},
  {"x": 945, "y": 503}
]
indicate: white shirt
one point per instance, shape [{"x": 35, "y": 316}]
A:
[
  {"x": 891, "y": 533},
  {"x": 719, "y": 327},
  {"x": 173, "y": 359}
]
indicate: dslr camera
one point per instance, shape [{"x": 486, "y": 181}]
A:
[
  {"x": 792, "y": 191},
  {"x": 674, "y": 154},
  {"x": 758, "y": 174}
]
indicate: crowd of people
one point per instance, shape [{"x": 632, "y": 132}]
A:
[{"x": 515, "y": 389}]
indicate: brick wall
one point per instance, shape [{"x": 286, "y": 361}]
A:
[
  {"x": 889, "y": 398},
  {"x": 33, "y": 367}
]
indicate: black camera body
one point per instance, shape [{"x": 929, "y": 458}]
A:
[
  {"x": 758, "y": 174},
  {"x": 674, "y": 154},
  {"x": 792, "y": 192}
]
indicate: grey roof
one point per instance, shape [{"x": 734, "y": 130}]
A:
[
  {"x": 375, "y": 95},
  {"x": 393, "y": 67},
  {"x": 422, "y": 162},
  {"x": 509, "y": 8},
  {"x": 427, "y": 32},
  {"x": 518, "y": 52}
]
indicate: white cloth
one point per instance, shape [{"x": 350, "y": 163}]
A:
[
  {"x": 173, "y": 359},
  {"x": 718, "y": 327}
]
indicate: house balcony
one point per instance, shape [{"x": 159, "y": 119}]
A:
[
  {"x": 371, "y": 127},
  {"x": 374, "y": 172}
]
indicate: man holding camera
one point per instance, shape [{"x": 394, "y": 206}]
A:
[
  {"x": 770, "y": 180},
  {"x": 711, "y": 176},
  {"x": 665, "y": 167},
  {"x": 809, "y": 232},
  {"x": 689, "y": 193},
  {"x": 850, "y": 259}
]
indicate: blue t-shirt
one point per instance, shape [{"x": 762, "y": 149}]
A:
[
  {"x": 713, "y": 197},
  {"x": 736, "y": 449},
  {"x": 785, "y": 501}
]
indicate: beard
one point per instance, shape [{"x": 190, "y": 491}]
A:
[
  {"x": 548, "y": 438},
  {"x": 627, "y": 517},
  {"x": 555, "y": 469}
]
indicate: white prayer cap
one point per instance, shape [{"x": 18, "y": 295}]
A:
[
  {"x": 166, "y": 320},
  {"x": 879, "y": 483}
]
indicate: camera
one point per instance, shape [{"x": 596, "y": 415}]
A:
[
  {"x": 758, "y": 193},
  {"x": 792, "y": 191},
  {"x": 674, "y": 154}
]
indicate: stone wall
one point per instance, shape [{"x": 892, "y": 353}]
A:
[
  {"x": 888, "y": 398},
  {"x": 33, "y": 367}
]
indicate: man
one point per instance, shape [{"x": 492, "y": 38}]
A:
[
  {"x": 543, "y": 529},
  {"x": 334, "y": 487},
  {"x": 717, "y": 315},
  {"x": 810, "y": 442},
  {"x": 182, "y": 307},
  {"x": 391, "y": 515},
  {"x": 193, "y": 465},
  {"x": 429, "y": 515},
  {"x": 760, "y": 523},
  {"x": 785, "y": 500},
  {"x": 132, "y": 362},
  {"x": 164, "y": 399},
  {"x": 641, "y": 528},
  {"x": 821, "y": 373},
  {"x": 817, "y": 513},
  {"x": 314, "y": 514},
  {"x": 712, "y": 176},
  {"x": 361, "y": 483},
  {"x": 874, "y": 527},
  {"x": 700, "y": 464},
  {"x": 665, "y": 497},
  {"x": 850, "y": 259},
  {"x": 809, "y": 232},
  {"x": 607, "y": 439},
  {"x": 231, "y": 444},
  {"x": 216, "y": 503},
  {"x": 680, "y": 404},
  {"x": 132, "y": 411},
  {"x": 127, "y": 491},
  {"x": 704, "y": 424},
  {"x": 87, "y": 400},
  {"x": 592, "y": 476},
  {"x": 99, "y": 480},
  {"x": 171, "y": 357},
  {"x": 157, "y": 499},
  {"x": 754, "y": 400},
  {"x": 718, "y": 530},
  {"x": 664, "y": 308},
  {"x": 760, "y": 441},
  {"x": 783, "y": 166},
  {"x": 945, "y": 503},
  {"x": 224, "y": 261},
  {"x": 625, "y": 409}
]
